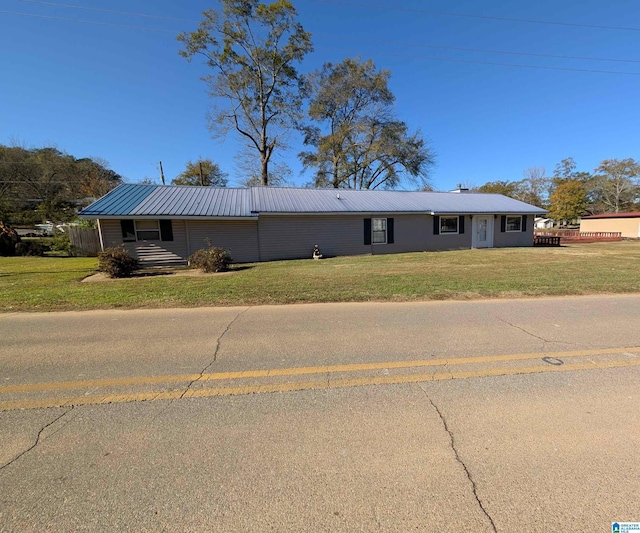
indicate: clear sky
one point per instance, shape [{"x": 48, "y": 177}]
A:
[{"x": 113, "y": 86}]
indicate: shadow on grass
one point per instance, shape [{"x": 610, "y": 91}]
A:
[
  {"x": 24, "y": 273},
  {"x": 154, "y": 272},
  {"x": 241, "y": 267}
]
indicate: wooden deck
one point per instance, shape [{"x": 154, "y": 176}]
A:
[{"x": 571, "y": 236}]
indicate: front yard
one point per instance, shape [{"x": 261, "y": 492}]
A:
[{"x": 54, "y": 283}]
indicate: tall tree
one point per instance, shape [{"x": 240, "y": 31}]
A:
[
  {"x": 252, "y": 49},
  {"x": 202, "y": 172},
  {"x": 358, "y": 142},
  {"x": 616, "y": 185},
  {"x": 565, "y": 169}
]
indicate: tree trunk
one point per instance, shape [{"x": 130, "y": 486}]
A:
[{"x": 264, "y": 177}]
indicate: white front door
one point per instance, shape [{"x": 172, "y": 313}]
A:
[{"x": 482, "y": 228}]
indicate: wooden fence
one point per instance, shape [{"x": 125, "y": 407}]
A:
[
  {"x": 568, "y": 236},
  {"x": 85, "y": 241}
]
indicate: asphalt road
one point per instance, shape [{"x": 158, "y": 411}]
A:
[{"x": 447, "y": 416}]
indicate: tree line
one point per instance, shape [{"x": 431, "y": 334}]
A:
[
  {"x": 612, "y": 187},
  {"x": 45, "y": 183}
]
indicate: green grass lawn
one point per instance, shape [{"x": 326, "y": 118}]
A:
[{"x": 53, "y": 283}]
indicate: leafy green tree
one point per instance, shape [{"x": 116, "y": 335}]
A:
[
  {"x": 507, "y": 188},
  {"x": 202, "y": 172},
  {"x": 568, "y": 201},
  {"x": 358, "y": 142},
  {"x": 95, "y": 177},
  {"x": 252, "y": 49},
  {"x": 45, "y": 183}
]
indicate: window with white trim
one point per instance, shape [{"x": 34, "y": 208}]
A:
[
  {"x": 147, "y": 230},
  {"x": 379, "y": 230},
  {"x": 513, "y": 223},
  {"x": 449, "y": 225}
]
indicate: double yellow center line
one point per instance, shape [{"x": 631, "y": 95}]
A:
[{"x": 550, "y": 362}]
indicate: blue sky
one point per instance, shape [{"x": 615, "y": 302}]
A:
[{"x": 125, "y": 95}]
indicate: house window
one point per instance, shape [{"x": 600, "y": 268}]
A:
[
  {"x": 514, "y": 223},
  {"x": 449, "y": 225},
  {"x": 379, "y": 230},
  {"x": 147, "y": 230}
]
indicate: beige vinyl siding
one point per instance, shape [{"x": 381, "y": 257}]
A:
[
  {"x": 293, "y": 237},
  {"x": 240, "y": 237},
  {"x": 629, "y": 227},
  {"x": 512, "y": 238},
  {"x": 111, "y": 233},
  {"x": 112, "y": 236}
]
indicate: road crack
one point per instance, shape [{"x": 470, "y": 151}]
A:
[
  {"x": 452, "y": 443},
  {"x": 215, "y": 353},
  {"x": 204, "y": 370},
  {"x": 531, "y": 334},
  {"x": 37, "y": 440}
]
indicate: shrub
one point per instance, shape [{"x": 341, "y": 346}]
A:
[
  {"x": 62, "y": 243},
  {"x": 8, "y": 240},
  {"x": 31, "y": 248},
  {"x": 211, "y": 259},
  {"x": 116, "y": 262}
]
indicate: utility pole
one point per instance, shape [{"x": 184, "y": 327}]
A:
[
  {"x": 161, "y": 173},
  {"x": 201, "y": 175}
]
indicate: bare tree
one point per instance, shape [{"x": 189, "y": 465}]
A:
[
  {"x": 616, "y": 185},
  {"x": 252, "y": 48},
  {"x": 534, "y": 188}
]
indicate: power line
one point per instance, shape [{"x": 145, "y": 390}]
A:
[
  {"x": 356, "y": 4},
  {"x": 441, "y": 47},
  {"x": 450, "y": 60},
  {"x": 139, "y": 28},
  {"x": 495, "y": 63},
  {"x": 100, "y": 10},
  {"x": 506, "y": 52},
  {"x": 482, "y": 17}
]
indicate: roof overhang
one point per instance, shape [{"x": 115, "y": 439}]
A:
[{"x": 160, "y": 217}]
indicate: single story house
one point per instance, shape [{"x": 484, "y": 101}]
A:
[
  {"x": 543, "y": 223},
  {"x": 161, "y": 223},
  {"x": 626, "y": 223}
]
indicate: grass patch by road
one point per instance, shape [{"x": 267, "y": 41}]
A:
[{"x": 54, "y": 284}]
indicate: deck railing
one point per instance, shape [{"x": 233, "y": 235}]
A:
[{"x": 567, "y": 235}]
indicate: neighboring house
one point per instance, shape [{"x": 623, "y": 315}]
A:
[
  {"x": 543, "y": 223},
  {"x": 626, "y": 223},
  {"x": 168, "y": 223}
]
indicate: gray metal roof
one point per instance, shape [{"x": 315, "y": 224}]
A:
[
  {"x": 290, "y": 200},
  {"x": 132, "y": 200}
]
